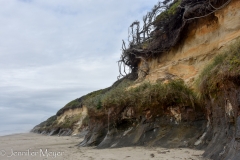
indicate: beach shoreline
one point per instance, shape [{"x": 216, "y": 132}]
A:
[{"x": 40, "y": 147}]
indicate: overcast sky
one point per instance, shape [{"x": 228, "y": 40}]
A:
[{"x": 54, "y": 51}]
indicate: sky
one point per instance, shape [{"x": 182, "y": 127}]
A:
[{"x": 54, "y": 51}]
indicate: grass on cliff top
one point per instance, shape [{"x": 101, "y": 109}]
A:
[
  {"x": 48, "y": 124},
  {"x": 92, "y": 99},
  {"x": 78, "y": 103},
  {"x": 156, "y": 97},
  {"x": 225, "y": 66},
  {"x": 95, "y": 103}
]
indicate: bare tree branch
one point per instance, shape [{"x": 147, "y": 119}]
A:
[{"x": 161, "y": 29}]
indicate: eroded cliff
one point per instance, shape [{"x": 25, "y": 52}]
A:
[
  {"x": 188, "y": 96},
  {"x": 202, "y": 40}
]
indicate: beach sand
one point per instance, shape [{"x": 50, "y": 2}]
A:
[{"x": 29, "y": 146}]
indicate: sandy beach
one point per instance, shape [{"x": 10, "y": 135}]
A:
[{"x": 30, "y": 146}]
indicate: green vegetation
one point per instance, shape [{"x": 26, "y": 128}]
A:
[
  {"x": 93, "y": 99},
  {"x": 173, "y": 8},
  {"x": 168, "y": 12},
  {"x": 78, "y": 103},
  {"x": 71, "y": 105},
  {"x": 224, "y": 66},
  {"x": 49, "y": 122},
  {"x": 155, "y": 97},
  {"x": 97, "y": 101}
]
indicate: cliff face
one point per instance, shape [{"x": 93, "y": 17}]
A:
[
  {"x": 70, "y": 122},
  {"x": 202, "y": 40},
  {"x": 166, "y": 112}
]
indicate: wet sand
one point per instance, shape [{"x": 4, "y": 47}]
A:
[{"x": 30, "y": 146}]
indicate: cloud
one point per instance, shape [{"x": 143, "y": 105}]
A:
[{"x": 52, "y": 52}]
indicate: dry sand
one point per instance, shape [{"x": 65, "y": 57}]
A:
[{"x": 31, "y": 146}]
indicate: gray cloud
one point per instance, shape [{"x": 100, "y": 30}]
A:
[{"x": 52, "y": 52}]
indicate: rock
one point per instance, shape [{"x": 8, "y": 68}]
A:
[{"x": 152, "y": 155}]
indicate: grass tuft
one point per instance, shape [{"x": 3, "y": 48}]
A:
[{"x": 224, "y": 66}]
